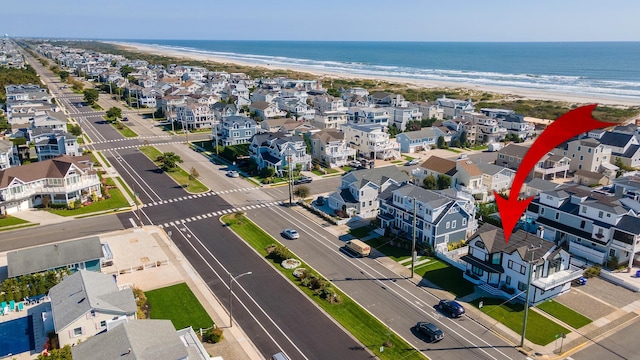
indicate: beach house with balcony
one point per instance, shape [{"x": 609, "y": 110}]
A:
[
  {"x": 593, "y": 225},
  {"x": 368, "y": 115},
  {"x": 441, "y": 216},
  {"x": 503, "y": 268},
  {"x": 279, "y": 151},
  {"x": 419, "y": 140},
  {"x": 495, "y": 178},
  {"x": 371, "y": 141},
  {"x": 359, "y": 190},
  {"x": 548, "y": 167},
  {"x": 86, "y": 303},
  {"x": 329, "y": 148},
  {"x": 62, "y": 180},
  {"x": 453, "y": 107},
  {"x": 53, "y": 143},
  {"x": 236, "y": 130},
  {"x": 330, "y": 112},
  {"x": 468, "y": 179}
]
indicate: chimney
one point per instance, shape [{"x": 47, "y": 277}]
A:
[{"x": 540, "y": 232}]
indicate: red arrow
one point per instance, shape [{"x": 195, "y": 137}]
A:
[{"x": 573, "y": 123}]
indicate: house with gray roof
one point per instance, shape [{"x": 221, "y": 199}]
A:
[
  {"x": 454, "y": 107},
  {"x": 329, "y": 148},
  {"x": 279, "y": 151},
  {"x": 419, "y": 140},
  {"x": 142, "y": 340},
  {"x": 53, "y": 143},
  {"x": 86, "y": 303},
  {"x": 81, "y": 254},
  {"x": 495, "y": 178},
  {"x": 593, "y": 224},
  {"x": 549, "y": 166},
  {"x": 442, "y": 217},
  {"x": 236, "y": 130},
  {"x": 359, "y": 190},
  {"x": 8, "y": 154},
  {"x": 503, "y": 268}
]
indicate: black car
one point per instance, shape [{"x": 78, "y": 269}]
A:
[
  {"x": 453, "y": 308},
  {"x": 302, "y": 180},
  {"x": 431, "y": 331}
]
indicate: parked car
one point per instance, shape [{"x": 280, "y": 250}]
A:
[
  {"x": 302, "y": 180},
  {"x": 412, "y": 162},
  {"x": 320, "y": 201},
  {"x": 233, "y": 174},
  {"x": 355, "y": 163},
  {"x": 125, "y": 119},
  {"x": 431, "y": 331},
  {"x": 290, "y": 234},
  {"x": 453, "y": 308}
]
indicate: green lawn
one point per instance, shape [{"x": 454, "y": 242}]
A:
[
  {"x": 178, "y": 304},
  {"x": 397, "y": 162},
  {"x": 366, "y": 328},
  {"x": 540, "y": 330},
  {"x": 124, "y": 129},
  {"x": 324, "y": 171},
  {"x": 447, "y": 277},
  {"x": 360, "y": 232},
  {"x": 480, "y": 147},
  {"x": 408, "y": 158},
  {"x": 11, "y": 221},
  {"x": 564, "y": 314},
  {"x": 179, "y": 175},
  {"x": 126, "y": 188},
  {"x": 382, "y": 244},
  {"x": 96, "y": 107},
  {"x": 346, "y": 168},
  {"x": 116, "y": 201}
]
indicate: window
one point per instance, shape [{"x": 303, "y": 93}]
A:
[
  {"x": 495, "y": 258},
  {"x": 522, "y": 269},
  {"x": 103, "y": 323},
  {"x": 600, "y": 214},
  {"x": 541, "y": 210},
  {"x": 582, "y": 224},
  {"x": 477, "y": 271},
  {"x": 447, "y": 225},
  {"x": 581, "y": 157},
  {"x": 508, "y": 280},
  {"x": 557, "y": 215},
  {"x": 364, "y": 203},
  {"x": 522, "y": 286},
  {"x": 584, "y": 209},
  {"x": 464, "y": 222},
  {"x": 77, "y": 331},
  {"x": 453, "y": 224},
  {"x": 612, "y": 252},
  {"x": 589, "y": 150},
  {"x": 510, "y": 264}
]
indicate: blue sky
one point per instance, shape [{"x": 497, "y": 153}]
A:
[{"x": 373, "y": 20}]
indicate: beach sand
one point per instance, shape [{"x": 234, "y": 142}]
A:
[{"x": 507, "y": 92}]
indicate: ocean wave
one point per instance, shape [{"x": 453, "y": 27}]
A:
[{"x": 575, "y": 85}]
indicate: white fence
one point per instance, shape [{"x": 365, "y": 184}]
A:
[{"x": 453, "y": 257}]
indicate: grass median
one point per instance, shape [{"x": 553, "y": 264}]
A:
[
  {"x": 178, "y": 304},
  {"x": 360, "y": 323},
  {"x": 179, "y": 175},
  {"x": 564, "y": 314}
]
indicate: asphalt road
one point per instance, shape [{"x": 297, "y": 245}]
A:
[
  {"x": 622, "y": 345},
  {"x": 394, "y": 300}
]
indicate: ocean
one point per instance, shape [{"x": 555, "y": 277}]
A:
[{"x": 610, "y": 69}]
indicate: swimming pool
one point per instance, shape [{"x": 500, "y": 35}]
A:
[{"x": 16, "y": 336}]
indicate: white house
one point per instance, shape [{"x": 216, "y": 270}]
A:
[
  {"x": 330, "y": 149},
  {"x": 502, "y": 269},
  {"x": 371, "y": 141}
]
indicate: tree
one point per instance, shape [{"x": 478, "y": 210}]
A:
[
  {"x": 126, "y": 70},
  {"x": 64, "y": 75},
  {"x": 463, "y": 138},
  {"x": 333, "y": 92},
  {"x": 168, "y": 161},
  {"x": 193, "y": 173},
  {"x": 441, "y": 143},
  {"x": 114, "y": 113},
  {"x": 91, "y": 96},
  {"x": 267, "y": 172},
  {"x": 443, "y": 181},
  {"x": 75, "y": 130},
  {"x": 430, "y": 183},
  {"x": 456, "y": 143},
  {"x": 301, "y": 192},
  {"x": 57, "y": 354}
]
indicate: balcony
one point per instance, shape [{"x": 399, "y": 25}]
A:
[
  {"x": 548, "y": 169},
  {"x": 622, "y": 245},
  {"x": 474, "y": 190},
  {"x": 558, "y": 278}
]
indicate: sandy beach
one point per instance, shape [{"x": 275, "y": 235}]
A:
[{"x": 509, "y": 92}]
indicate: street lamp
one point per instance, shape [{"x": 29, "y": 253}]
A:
[{"x": 231, "y": 280}]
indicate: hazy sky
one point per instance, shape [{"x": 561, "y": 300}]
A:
[{"x": 389, "y": 20}]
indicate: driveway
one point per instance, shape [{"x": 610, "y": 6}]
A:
[{"x": 598, "y": 298}]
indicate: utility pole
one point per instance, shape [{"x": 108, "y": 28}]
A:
[
  {"x": 289, "y": 163},
  {"x": 526, "y": 301},
  {"x": 413, "y": 239}
]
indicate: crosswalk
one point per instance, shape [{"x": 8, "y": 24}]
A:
[
  {"x": 139, "y": 145},
  {"x": 194, "y": 196},
  {"x": 219, "y": 213},
  {"x": 139, "y": 137}
]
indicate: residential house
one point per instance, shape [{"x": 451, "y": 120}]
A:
[
  {"x": 549, "y": 166},
  {"x": 54, "y": 143},
  {"x": 238, "y": 92},
  {"x": 535, "y": 186},
  {"x": 495, "y": 178},
  {"x": 593, "y": 225},
  {"x": 264, "y": 95},
  {"x": 62, "y": 180},
  {"x": 359, "y": 190},
  {"x": 503, "y": 268},
  {"x": 588, "y": 154},
  {"x": 453, "y": 107},
  {"x": 221, "y": 110},
  {"x": 27, "y": 92},
  {"x": 265, "y": 110},
  {"x": 85, "y": 303},
  {"x": 81, "y": 254},
  {"x": 400, "y": 116},
  {"x": 441, "y": 217},
  {"x": 516, "y": 125},
  {"x": 371, "y": 141},
  {"x": 297, "y": 108},
  {"x": 468, "y": 179},
  {"x": 8, "y": 155},
  {"x": 329, "y": 148},
  {"x": 419, "y": 140},
  {"x": 279, "y": 151},
  {"x": 383, "y": 98},
  {"x": 142, "y": 340},
  {"x": 434, "y": 166},
  {"x": 237, "y": 130},
  {"x": 51, "y": 121},
  {"x": 430, "y": 110},
  {"x": 590, "y": 178},
  {"x": 330, "y": 112},
  {"x": 275, "y": 125},
  {"x": 194, "y": 116},
  {"x": 368, "y": 115}
]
